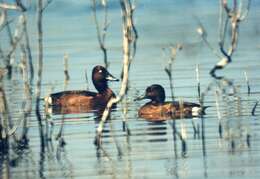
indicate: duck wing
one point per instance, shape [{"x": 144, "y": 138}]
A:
[{"x": 59, "y": 97}]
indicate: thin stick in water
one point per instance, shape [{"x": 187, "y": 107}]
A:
[
  {"x": 248, "y": 84},
  {"x": 198, "y": 79},
  {"x": 101, "y": 36},
  {"x": 66, "y": 68}
]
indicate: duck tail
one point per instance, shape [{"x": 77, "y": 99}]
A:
[
  {"x": 196, "y": 111},
  {"x": 203, "y": 109}
]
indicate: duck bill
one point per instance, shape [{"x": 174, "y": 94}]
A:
[
  {"x": 140, "y": 98},
  {"x": 110, "y": 77}
]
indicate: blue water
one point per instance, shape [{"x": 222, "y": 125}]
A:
[{"x": 150, "y": 151}]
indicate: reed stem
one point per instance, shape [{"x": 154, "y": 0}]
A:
[{"x": 129, "y": 38}]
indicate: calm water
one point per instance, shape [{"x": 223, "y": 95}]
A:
[{"x": 226, "y": 141}]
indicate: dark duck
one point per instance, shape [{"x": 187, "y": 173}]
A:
[
  {"x": 78, "y": 101},
  {"x": 158, "y": 109}
]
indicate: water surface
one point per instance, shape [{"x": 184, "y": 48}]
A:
[{"x": 226, "y": 140}]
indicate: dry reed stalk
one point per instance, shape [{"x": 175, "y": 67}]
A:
[
  {"x": 101, "y": 35},
  {"x": 28, "y": 95},
  {"x": 26, "y": 106},
  {"x": 129, "y": 38},
  {"x": 169, "y": 67},
  {"x": 125, "y": 119},
  {"x": 218, "y": 114},
  {"x": 47, "y": 3},
  {"x": 198, "y": 79},
  {"x": 17, "y": 37},
  {"x": 4, "y": 114},
  {"x": 14, "y": 41},
  {"x": 48, "y": 117},
  {"x": 203, "y": 33},
  {"x": 28, "y": 48},
  {"x": 8, "y": 6},
  {"x": 247, "y": 83},
  {"x": 66, "y": 69},
  {"x": 196, "y": 129},
  {"x": 4, "y": 21},
  {"x": 60, "y": 136},
  {"x": 217, "y": 105},
  {"x": 39, "y": 72},
  {"x": 168, "y": 70},
  {"x": 239, "y": 109},
  {"x": 7, "y": 58},
  {"x": 40, "y": 8},
  {"x": 183, "y": 133},
  {"x": 233, "y": 17},
  {"x": 86, "y": 78},
  {"x": 203, "y": 138},
  {"x": 4, "y": 117}
]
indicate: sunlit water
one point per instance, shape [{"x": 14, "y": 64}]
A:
[{"x": 224, "y": 143}]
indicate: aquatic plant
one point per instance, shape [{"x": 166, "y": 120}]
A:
[
  {"x": 129, "y": 49},
  {"x": 169, "y": 67},
  {"x": 101, "y": 34},
  {"x": 229, "y": 17},
  {"x": 18, "y": 37},
  {"x": 4, "y": 117},
  {"x": 40, "y": 9}
]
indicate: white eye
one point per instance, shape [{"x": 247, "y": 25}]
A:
[{"x": 100, "y": 71}]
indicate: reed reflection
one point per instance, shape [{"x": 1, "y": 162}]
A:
[{"x": 231, "y": 113}]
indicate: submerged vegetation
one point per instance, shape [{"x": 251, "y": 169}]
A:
[{"x": 228, "y": 97}]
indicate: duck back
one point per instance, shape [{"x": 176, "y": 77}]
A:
[{"x": 67, "y": 98}]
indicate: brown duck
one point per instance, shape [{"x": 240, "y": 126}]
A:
[
  {"x": 78, "y": 101},
  {"x": 158, "y": 109}
]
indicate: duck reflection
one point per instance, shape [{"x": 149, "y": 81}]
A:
[{"x": 157, "y": 132}]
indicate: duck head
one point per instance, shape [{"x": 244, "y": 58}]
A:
[
  {"x": 100, "y": 77},
  {"x": 155, "y": 93}
]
